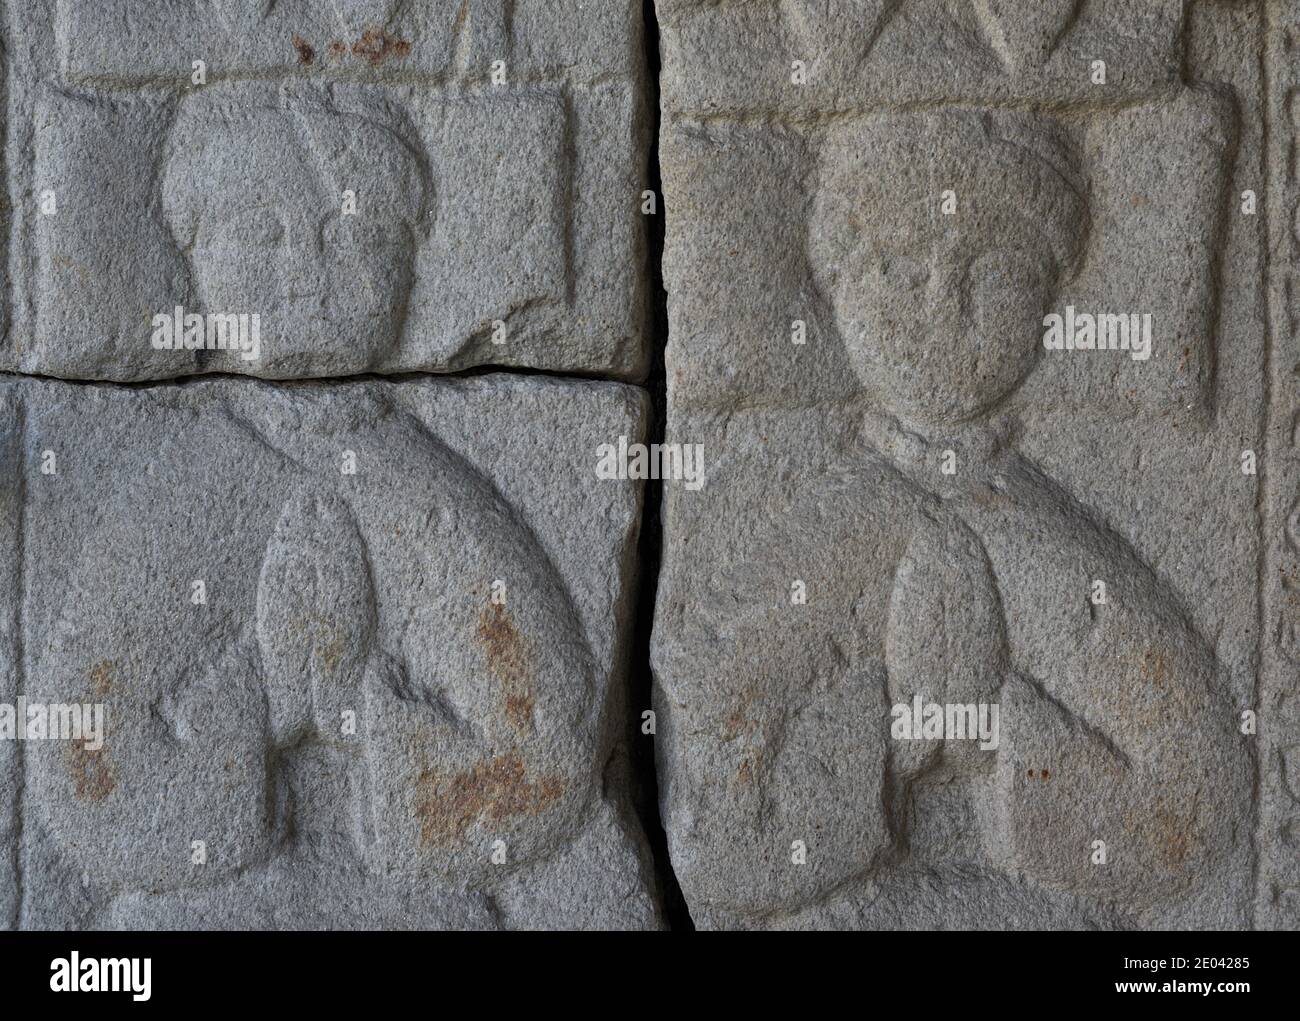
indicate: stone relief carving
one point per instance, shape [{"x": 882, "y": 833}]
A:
[
  {"x": 387, "y": 652},
  {"x": 327, "y": 280},
  {"x": 486, "y": 114},
  {"x": 386, "y": 679},
  {"x": 917, "y": 520}
]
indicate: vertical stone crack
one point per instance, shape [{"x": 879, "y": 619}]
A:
[{"x": 650, "y": 550}]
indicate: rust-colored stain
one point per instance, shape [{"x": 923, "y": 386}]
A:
[
  {"x": 746, "y": 773},
  {"x": 331, "y": 653},
  {"x": 327, "y": 640},
  {"x": 1042, "y": 774},
  {"x": 306, "y": 55},
  {"x": 338, "y": 50},
  {"x": 738, "y": 722},
  {"x": 91, "y": 772},
  {"x": 1155, "y": 667},
  {"x": 377, "y": 45},
  {"x": 735, "y": 725},
  {"x": 101, "y": 677},
  {"x": 1173, "y": 837},
  {"x": 510, "y": 661},
  {"x": 987, "y": 496},
  {"x": 519, "y": 711},
  {"x": 447, "y": 805}
]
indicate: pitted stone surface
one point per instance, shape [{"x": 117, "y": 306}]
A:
[
  {"x": 873, "y": 208},
  {"x": 372, "y": 650},
  {"x": 362, "y": 641},
  {"x": 389, "y": 186}
]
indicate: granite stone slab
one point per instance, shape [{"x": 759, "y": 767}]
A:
[
  {"x": 361, "y": 650},
  {"x": 969, "y": 597},
  {"x": 389, "y": 186},
  {"x": 926, "y": 506}
]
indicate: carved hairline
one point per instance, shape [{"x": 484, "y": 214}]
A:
[{"x": 1038, "y": 138}]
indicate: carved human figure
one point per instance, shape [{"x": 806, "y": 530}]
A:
[
  {"x": 473, "y": 703},
  {"x": 1116, "y": 725},
  {"x": 974, "y": 587},
  {"x": 349, "y": 696},
  {"x": 305, "y": 210}
]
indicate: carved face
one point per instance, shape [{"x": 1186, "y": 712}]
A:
[
  {"x": 941, "y": 247},
  {"x": 271, "y": 232}
]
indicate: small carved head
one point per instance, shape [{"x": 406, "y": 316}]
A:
[
  {"x": 940, "y": 240},
  {"x": 304, "y": 212}
]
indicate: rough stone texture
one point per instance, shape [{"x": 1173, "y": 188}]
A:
[
  {"x": 498, "y": 218},
  {"x": 398, "y": 673},
  {"x": 478, "y": 719},
  {"x": 946, "y": 492}
]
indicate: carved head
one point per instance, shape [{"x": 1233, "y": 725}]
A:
[
  {"x": 941, "y": 312},
  {"x": 260, "y": 198}
]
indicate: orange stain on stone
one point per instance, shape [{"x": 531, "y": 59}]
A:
[
  {"x": 376, "y": 46},
  {"x": 493, "y": 791},
  {"x": 510, "y": 661}
]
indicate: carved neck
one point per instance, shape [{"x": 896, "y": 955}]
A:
[{"x": 943, "y": 458}]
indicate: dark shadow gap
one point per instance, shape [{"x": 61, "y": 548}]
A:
[
  {"x": 306, "y": 382},
  {"x": 650, "y": 549}
]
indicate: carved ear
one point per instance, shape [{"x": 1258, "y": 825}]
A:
[
  {"x": 316, "y": 615},
  {"x": 1025, "y": 35}
]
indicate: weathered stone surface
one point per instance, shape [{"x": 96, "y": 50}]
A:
[
  {"x": 872, "y": 209},
  {"x": 389, "y": 186},
  {"x": 237, "y": 571},
  {"x": 894, "y": 52},
  {"x": 367, "y": 647}
]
